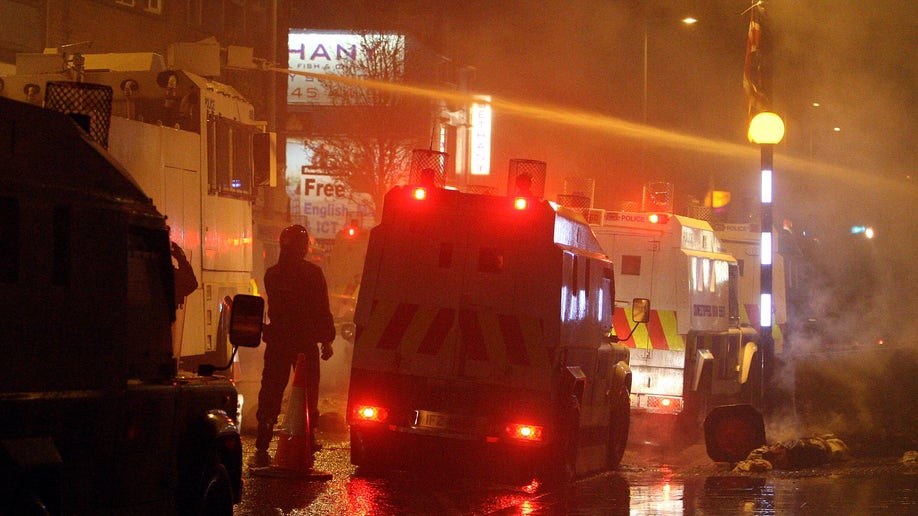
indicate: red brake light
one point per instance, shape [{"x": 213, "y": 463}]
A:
[
  {"x": 669, "y": 404},
  {"x": 419, "y": 193},
  {"x": 522, "y": 432},
  {"x": 370, "y": 413}
]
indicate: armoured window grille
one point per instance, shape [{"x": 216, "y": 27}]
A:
[
  {"x": 481, "y": 189},
  {"x": 579, "y": 203},
  {"x": 428, "y": 165},
  {"x": 534, "y": 170},
  {"x": 89, "y": 104}
]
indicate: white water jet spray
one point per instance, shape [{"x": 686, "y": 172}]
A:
[{"x": 623, "y": 128}]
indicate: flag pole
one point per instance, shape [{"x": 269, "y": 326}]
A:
[{"x": 755, "y": 3}]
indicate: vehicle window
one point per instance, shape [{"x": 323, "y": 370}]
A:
[
  {"x": 230, "y": 165},
  {"x": 631, "y": 265}
]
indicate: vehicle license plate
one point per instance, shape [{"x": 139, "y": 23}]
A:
[{"x": 441, "y": 421}]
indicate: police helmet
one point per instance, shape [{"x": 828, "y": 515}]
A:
[{"x": 294, "y": 238}]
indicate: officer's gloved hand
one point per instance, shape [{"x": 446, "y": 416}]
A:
[
  {"x": 176, "y": 251},
  {"x": 327, "y": 350}
]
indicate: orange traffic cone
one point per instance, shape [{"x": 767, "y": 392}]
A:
[{"x": 294, "y": 450}]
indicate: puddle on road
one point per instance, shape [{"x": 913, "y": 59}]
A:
[
  {"x": 884, "y": 493},
  {"x": 660, "y": 481}
]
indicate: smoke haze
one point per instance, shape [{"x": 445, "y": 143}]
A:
[{"x": 585, "y": 62}]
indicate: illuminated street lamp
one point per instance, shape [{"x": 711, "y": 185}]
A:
[{"x": 766, "y": 130}]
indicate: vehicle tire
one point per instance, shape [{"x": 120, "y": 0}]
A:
[
  {"x": 216, "y": 492},
  {"x": 619, "y": 425}
]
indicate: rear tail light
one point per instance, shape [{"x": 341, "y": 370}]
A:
[
  {"x": 524, "y": 432},
  {"x": 658, "y": 218},
  {"x": 370, "y": 413},
  {"x": 665, "y": 404}
]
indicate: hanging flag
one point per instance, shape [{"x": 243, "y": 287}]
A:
[{"x": 755, "y": 77}]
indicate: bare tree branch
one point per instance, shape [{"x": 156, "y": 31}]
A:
[{"x": 373, "y": 151}]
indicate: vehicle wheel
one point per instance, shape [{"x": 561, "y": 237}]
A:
[
  {"x": 217, "y": 492},
  {"x": 619, "y": 425}
]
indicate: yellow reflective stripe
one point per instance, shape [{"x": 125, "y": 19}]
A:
[
  {"x": 670, "y": 330},
  {"x": 379, "y": 319},
  {"x": 743, "y": 314},
  {"x": 418, "y": 328},
  {"x": 641, "y": 336},
  {"x": 776, "y": 332},
  {"x": 778, "y": 336}
]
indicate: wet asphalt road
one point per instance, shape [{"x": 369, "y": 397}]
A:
[
  {"x": 875, "y": 414},
  {"x": 653, "y": 480}
]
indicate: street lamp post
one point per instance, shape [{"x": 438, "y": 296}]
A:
[
  {"x": 766, "y": 130},
  {"x": 688, "y": 20}
]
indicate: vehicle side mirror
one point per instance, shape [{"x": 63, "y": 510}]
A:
[
  {"x": 246, "y": 320},
  {"x": 640, "y": 310}
]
